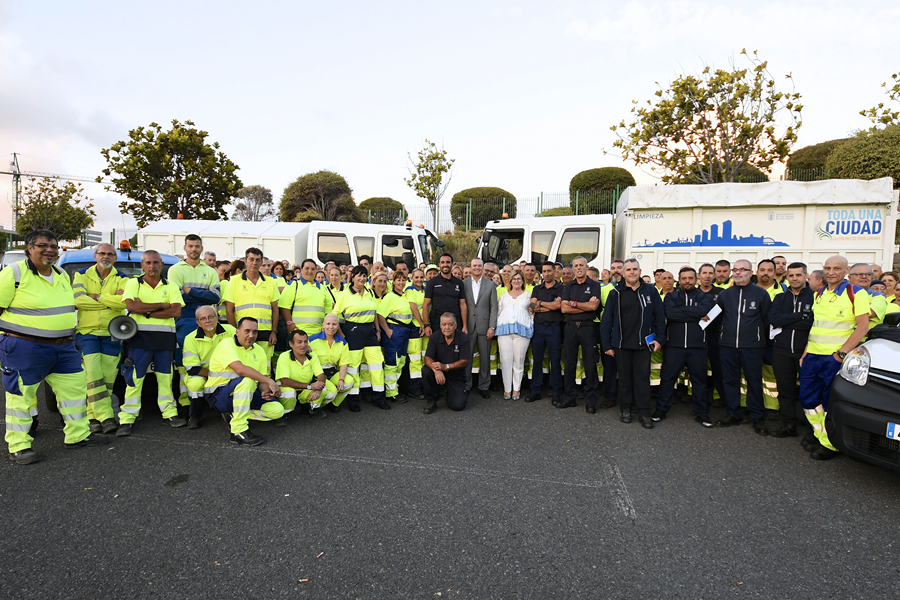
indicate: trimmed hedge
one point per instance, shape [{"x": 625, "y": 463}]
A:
[
  {"x": 385, "y": 211},
  {"x": 593, "y": 190},
  {"x": 488, "y": 204},
  {"x": 562, "y": 211},
  {"x": 815, "y": 156}
]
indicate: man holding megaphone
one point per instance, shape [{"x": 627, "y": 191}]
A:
[{"x": 154, "y": 304}]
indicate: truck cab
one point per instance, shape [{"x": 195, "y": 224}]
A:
[
  {"x": 388, "y": 244},
  {"x": 557, "y": 239}
]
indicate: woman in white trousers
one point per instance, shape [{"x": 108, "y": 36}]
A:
[{"x": 515, "y": 326}]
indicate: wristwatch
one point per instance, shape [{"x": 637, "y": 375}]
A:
[{"x": 841, "y": 355}]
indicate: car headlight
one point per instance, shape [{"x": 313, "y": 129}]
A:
[{"x": 856, "y": 366}]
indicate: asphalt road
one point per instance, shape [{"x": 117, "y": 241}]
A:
[{"x": 503, "y": 500}]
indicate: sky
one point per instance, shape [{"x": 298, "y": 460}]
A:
[{"x": 521, "y": 94}]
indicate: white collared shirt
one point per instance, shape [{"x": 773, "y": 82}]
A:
[{"x": 476, "y": 287}]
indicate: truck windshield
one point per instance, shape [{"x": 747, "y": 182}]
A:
[
  {"x": 429, "y": 248},
  {"x": 504, "y": 246}
]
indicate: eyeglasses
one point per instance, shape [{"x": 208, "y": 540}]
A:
[
  {"x": 106, "y": 253},
  {"x": 210, "y": 318},
  {"x": 739, "y": 270},
  {"x": 862, "y": 274},
  {"x": 53, "y": 247}
]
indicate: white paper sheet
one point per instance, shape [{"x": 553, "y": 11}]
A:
[{"x": 714, "y": 312}]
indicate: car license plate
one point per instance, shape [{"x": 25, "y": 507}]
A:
[{"x": 893, "y": 431}]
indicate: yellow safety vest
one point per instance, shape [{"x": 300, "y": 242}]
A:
[
  {"x": 153, "y": 333},
  {"x": 253, "y": 300},
  {"x": 834, "y": 318},
  {"x": 417, "y": 297},
  {"x": 34, "y": 306},
  {"x": 355, "y": 308},
  {"x": 308, "y": 303},
  {"x": 198, "y": 347},
  {"x": 228, "y": 352},
  {"x": 395, "y": 307},
  {"x": 288, "y": 366},
  {"x": 330, "y": 357},
  {"x": 94, "y": 315}
]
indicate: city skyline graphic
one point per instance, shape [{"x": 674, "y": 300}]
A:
[{"x": 711, "y": 237}]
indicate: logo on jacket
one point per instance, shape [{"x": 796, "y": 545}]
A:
[{"x": 752, "y": 305}]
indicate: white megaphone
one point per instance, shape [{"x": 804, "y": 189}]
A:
[{"x": 122, "y": 328}]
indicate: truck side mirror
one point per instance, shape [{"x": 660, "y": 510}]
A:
[
  {"x": 478, "y": 240},
  {"x": 486, "y": 236}
]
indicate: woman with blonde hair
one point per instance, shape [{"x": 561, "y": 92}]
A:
[{"x": 515, "y": 327}]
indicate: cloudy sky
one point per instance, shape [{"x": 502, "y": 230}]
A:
[{"x": 521, "y": 94}]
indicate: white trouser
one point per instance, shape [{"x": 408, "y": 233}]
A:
[{"x": 513, "y": 348}]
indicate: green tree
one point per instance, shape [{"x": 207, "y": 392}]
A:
[
  {"x": 560, "y": 211},
  {"x": 254, "y": 204},
  {"x": 385, "y": 211},
  {"x": 58, "y": 207},
  {"x": 320, "y": 196},
  {"x": 808, "y": 163},
  {"x": 163, "y": 174},
  {"x": 881, "y": 115},
  {"x": 487, "y": 204},
  {"x": 871, "y": 154},
  {"x": 708, "y": 128},
  {"x": 430, "y": 175}
]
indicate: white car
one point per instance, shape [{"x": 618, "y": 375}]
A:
[{"x": 864, "y": 406}]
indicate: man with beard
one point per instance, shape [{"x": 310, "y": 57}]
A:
[
  {"x": 707, "y": 277},
  {"x": 685, "y": 309},
  {"x": 445, "y": 294}
]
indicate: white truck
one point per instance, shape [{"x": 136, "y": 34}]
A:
[
  {"x": 321, "y": 241},
  {"x": 671, "y": 226},
  {"x": 557, "y": 239}
]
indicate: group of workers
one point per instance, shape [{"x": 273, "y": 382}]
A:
[{"x": 256, "y": 340}]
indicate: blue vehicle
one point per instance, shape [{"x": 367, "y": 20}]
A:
[{"x": 128, "y": 261}]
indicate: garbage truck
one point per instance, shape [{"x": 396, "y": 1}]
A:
[{"x": 671, "y": 226}]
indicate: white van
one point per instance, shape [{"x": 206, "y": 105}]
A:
[
  {"x": 321, "y": 241},
  {"x": 557, "y": 239}
]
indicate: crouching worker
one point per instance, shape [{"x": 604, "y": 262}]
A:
[
  {"x": 237, "y": 384},
  {"x": 198, "y": 349},
  {"x": 302, "y": 378},
  {"x": 334, "y": 356},
  {"x": 445, "y": 365}
]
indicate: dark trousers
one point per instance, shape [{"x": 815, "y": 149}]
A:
[
  {"x": 547, "y": 336},
  {"x": 581, "y": 335},
  {"x": 674, "y": 360},
  {"x": 750, "y": 360},
  {"x": 455, "y": 386},
  {"x": 634, "y": 380},
  {"x": 610, "y": 385},
  {"x": 714, "y": 382},
  {"x": 786, "y": 365}
]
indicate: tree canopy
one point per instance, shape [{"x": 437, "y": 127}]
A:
[
  {"x": 707, "y": 128},
  {"x": 320, "y": 196},
  {"x": 871, "y": 154},
  {"x": 813, "y": 157},
  {"x": 488, "y": 204},
  {"x": 254, "y": 204},
  {"x": 604, "y": 178},
  {"x": 385, "y": 211},
  {"x": 886, "y": 115},
  {"x": 429, "y": 176},
  {"x": 163, "y": 174},
  {"x": 60, "y": 207}
]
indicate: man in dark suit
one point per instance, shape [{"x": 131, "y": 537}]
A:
[{"x": 481, "y": 298}]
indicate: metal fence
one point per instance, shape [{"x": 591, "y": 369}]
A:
[{"x": 475, "y": 213}]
